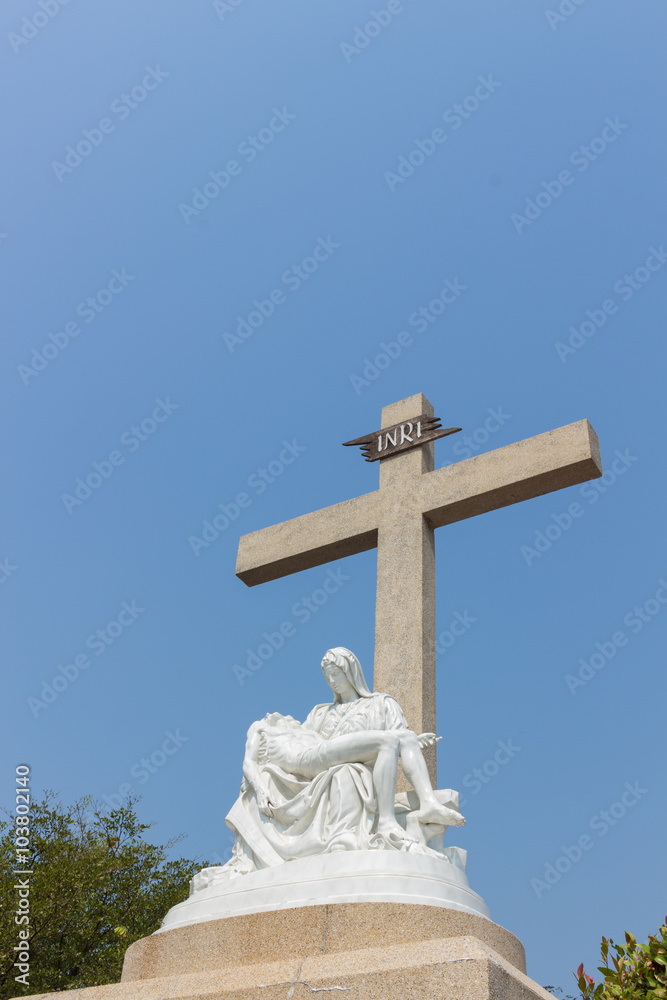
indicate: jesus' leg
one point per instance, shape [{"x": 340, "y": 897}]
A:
[{"x": 416, "y": 771}]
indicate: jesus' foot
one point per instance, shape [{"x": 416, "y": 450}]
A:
[
  {"x": 393, "y": 832},
  {"x": 440, "y": 815}
]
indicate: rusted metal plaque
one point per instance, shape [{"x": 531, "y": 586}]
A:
[{"x": 400, "y": 437}]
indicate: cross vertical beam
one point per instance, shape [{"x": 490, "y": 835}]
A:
[{"x": 405, "y": 602}]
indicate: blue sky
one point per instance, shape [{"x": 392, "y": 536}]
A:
[{"x": 540, "y": 199}]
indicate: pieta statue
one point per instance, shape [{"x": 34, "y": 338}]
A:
[{"x": 329, "y": 784}]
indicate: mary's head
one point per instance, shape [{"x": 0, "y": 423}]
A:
[{"x": 344, "y": 675}]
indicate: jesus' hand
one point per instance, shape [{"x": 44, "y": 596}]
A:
[{"x": 264, "y": 802}]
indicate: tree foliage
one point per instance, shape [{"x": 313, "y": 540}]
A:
[
  {"x": 96, "y": 886},
  {"x": 631, "y": 971}
]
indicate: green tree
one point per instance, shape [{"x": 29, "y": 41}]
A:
[
  {"x": 96, "y": 886},
  {"x": 631, "y": 971}
]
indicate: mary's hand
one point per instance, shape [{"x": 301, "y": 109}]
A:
[{"x": 428, "y": 739}]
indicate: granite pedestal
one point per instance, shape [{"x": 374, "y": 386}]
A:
[{"x": 370, "y": 951}]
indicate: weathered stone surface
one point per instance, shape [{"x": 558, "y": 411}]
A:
[
  {"x": 369, "y": 951},
  {"x": 300, "y": 933},
  {"x": 404, "y": 664}
]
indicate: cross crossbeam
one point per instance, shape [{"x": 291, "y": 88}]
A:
[{"x": 399, "y": 519}]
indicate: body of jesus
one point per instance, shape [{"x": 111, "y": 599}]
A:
[{"x": 301, "y": 752}]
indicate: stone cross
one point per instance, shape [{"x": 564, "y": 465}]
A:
[{"x": 399, "y": 520}]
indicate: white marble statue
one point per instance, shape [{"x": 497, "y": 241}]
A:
[{"x": 329, "y": 784}]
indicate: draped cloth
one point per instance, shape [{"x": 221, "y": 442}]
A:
[{"x": 335, "y": 811}]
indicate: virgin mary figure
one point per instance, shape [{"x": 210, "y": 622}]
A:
[{"x": 329, "y": 784}]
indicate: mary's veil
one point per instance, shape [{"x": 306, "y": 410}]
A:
[{"x": 348, "y": 662}]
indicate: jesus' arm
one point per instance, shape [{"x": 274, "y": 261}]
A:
[{"x": 251, "y": 770}]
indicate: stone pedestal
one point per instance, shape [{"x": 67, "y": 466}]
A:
[{"x": 370, "y": 951}]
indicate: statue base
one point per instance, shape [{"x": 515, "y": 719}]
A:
[
  {"x": 341, "y": 877},
  {"x": 388, "y": 951}
]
